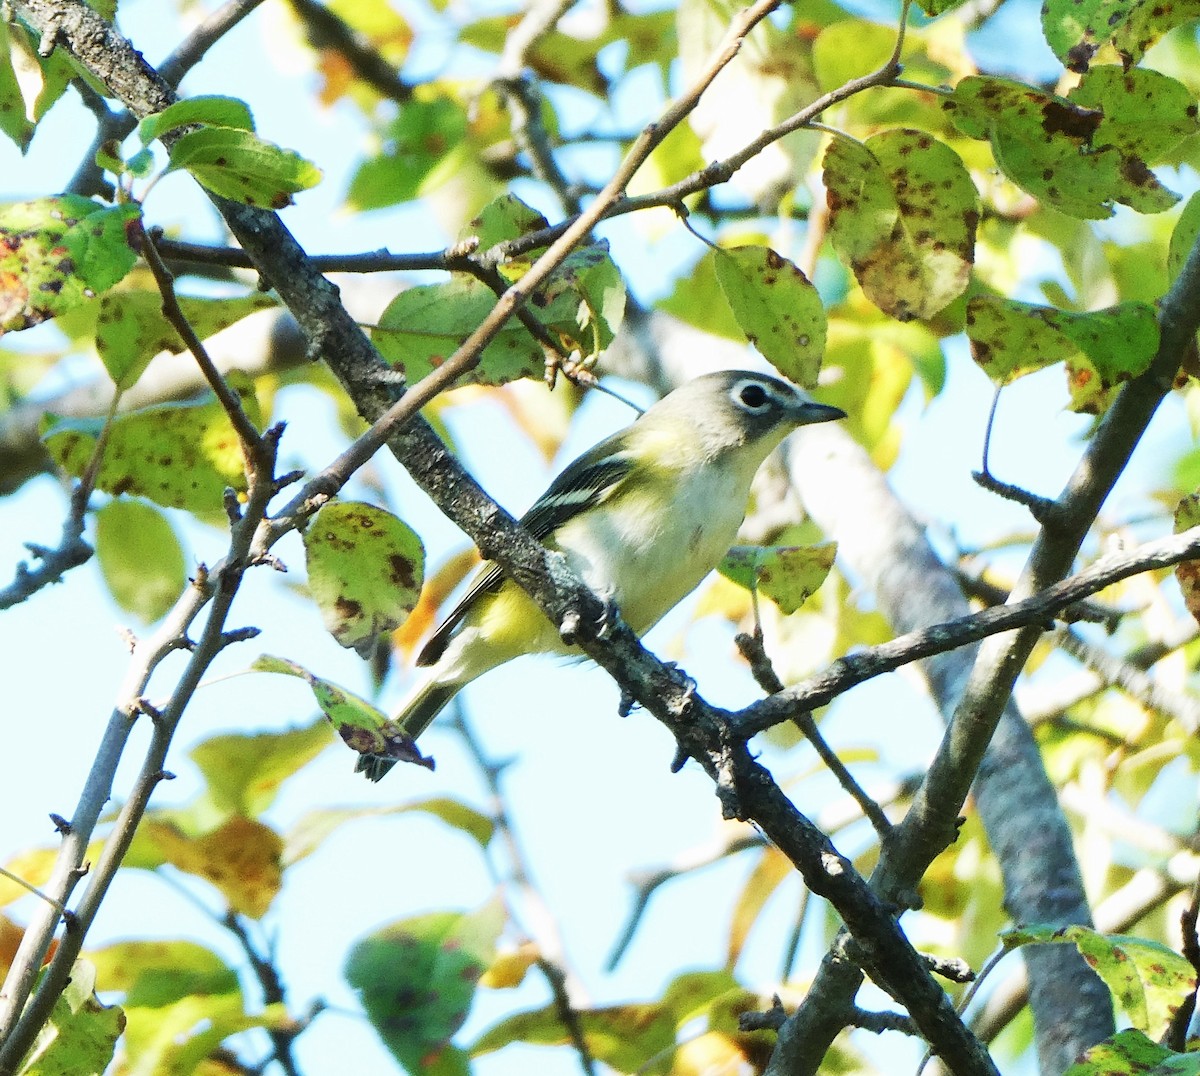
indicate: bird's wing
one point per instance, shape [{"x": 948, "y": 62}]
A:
[{"x": 590, "y": 480}]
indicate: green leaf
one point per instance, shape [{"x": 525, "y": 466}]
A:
[
  {"x": 503, "y": 218},
  {"x": 140, "y": 557},
  {"x": 244, "y": 771},
  {"x": 582, "y": 301},
  {"x": 131, "y": 328},
  {"x": 1147, "y": 22},
  {"x": 239, "y": 165},
  {"x": 210, "y": 110},
  {"x": 697, "y": 299},
  {"x": 362, "y": 727},
  {"x": 1146, "y": 113},
  {"x": 365, "y": 570},
  {"x": 788, "y": 575},
  {"x": 423, "y": 326},
  {"x": 183, "y": 1037},
  {"x": 1045, "y": 144},
  {"x": 1102, "y": 348},
  {"x": 627, "y": 1037},
  {"x": 1184, "y": 236},
  {"x": 1148, "y": 980},
  {"x": 1076, "y": 29},
  {"x": 777, "y": 308},
  {"x": 14, "y": 121},
  {"x": 58, "y": 253},
  {"x": 417, "y": 978},
  {"x": 152, "y": 974},
  {"x": 850, "y": 49},
  {"x": 415, "y": 151},
  {"x": 81, "y": 1034},
  {"x": 178, "y": 455},
  {"x": 903, "y": 212},
  {"x": 1128, "y": 1053}
]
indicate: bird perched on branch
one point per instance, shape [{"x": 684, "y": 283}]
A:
[{"x": 641, "y": 518}]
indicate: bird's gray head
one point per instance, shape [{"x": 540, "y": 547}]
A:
[{"x": 737, "y": 407}]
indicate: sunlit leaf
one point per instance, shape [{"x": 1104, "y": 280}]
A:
[
  {"x": 177, "y": 455},
  {"x": 131, "y": 327},
  {"x": 777, "y": 308},
  {"x": 1046, "y": 145},
  {"x": 209, "y": 110},
  {"x": 318, "y": 825},
  {"x": 140, "y": 557},
  {"x": 57, "y": 253},
  {"x": 242, "y": 858},
  {"x": 239, "y": 165},
  {"x": 423, "y": 326},
  {"x": 365, "y": 570},
  {"x": 155, "y": 973},
  {"x": 787, "y": 575},
  {"x": 244, "y": 771},
  {"x": 1129, "y": 1052},
  {"x": 81, "y": 1034},
  {"x": 1187, "y": 516},
  {"x": 371, "y": 733},
  {"x": 1148, "y": 980},
  {"x": 903, "y": 212},
  {"x": 14, "y": 121},
  {"x": 1102, "y": 348}
]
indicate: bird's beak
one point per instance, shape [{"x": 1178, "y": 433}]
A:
[{"x": 809, "y": 411}]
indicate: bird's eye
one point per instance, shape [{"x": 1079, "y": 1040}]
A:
[{"x": 752, "y": 396}]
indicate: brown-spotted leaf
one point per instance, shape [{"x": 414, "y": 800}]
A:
[
  {"x": 503, "y": 218},
  {"x": 1147, "y": 979},
  {"x": 57, "y": 253},
  {"x": 1046, "y": 144},
  {"x": 365, "y": 570},
  {"x": 776, "y": 307},
  {"x": 425, "y": 968},
  {"x": 423, "y": 326},
  {"x": 1146, "y": 114},
  {"x": 1187, "y": 516},
  {"x": 242, "y": 858},
  {"x": 1147, "y": 21},
  {"x": 131, "y": 328},
  {"x": 365, "y": 729},
  {"x": 1102, "y": 348},
  {"x": 903, "y": 213},
  {"x": 178, "y": 455},
  {"x": 788, "y": 575},
  {"x": 1131, "y": 1051}
]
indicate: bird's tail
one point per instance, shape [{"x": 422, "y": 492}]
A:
[{"x": 415, "y": 715}]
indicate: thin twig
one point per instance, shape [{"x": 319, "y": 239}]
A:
[
  {"x": 251, "y": 441},
  {"x": 866, "y": 664}
]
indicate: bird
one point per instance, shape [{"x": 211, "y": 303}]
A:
[{"x": 641, "y": 518}]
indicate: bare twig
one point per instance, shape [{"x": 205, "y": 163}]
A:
[
  {"x": 856, "y": 668},
  {"x": 751, "y": 647}
]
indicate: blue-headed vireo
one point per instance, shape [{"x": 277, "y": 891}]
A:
[{"x": 641, "y": 518}]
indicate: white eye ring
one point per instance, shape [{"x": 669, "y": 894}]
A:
[{"x": 753, "y": 396}]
